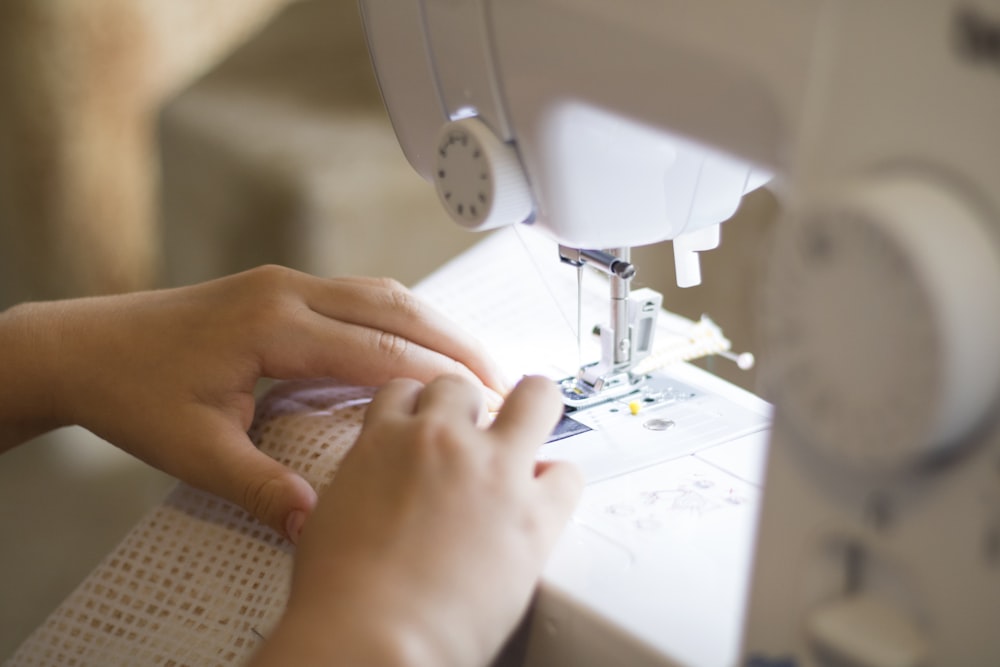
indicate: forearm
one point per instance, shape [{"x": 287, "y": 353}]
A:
[{"x": 28, "y": 366}]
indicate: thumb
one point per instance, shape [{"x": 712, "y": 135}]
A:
[
  {"x": 239, "y": 472},
  {"x": 274, "y": 494}
]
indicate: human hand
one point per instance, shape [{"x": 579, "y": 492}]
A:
[
  {"x": 169, "y": 375},
  {"x": 428, "y": 543}
]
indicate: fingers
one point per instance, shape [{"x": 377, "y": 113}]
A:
[
  {"x": 237, "y": 471},
  {"x": 386, "y": 306},
  {"x": 396, "y": 397},
  {"x": 528, "y": 416},
  {"x": 317, "y": 345},
  {"x": 273, "y": 494},
  {"x": 454, "y": 396}
]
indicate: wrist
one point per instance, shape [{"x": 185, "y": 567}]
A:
[
  {"x": 326, "y": 635},
  {"x": 29, "y": 403}
]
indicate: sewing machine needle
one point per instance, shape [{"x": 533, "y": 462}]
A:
[{"x": 579, "y": 316}]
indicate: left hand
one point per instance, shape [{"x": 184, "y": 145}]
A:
[
  {"x": 428, "y": 543},
  {"x": 169, "y": 375}
]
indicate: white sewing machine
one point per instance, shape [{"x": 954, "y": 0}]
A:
[{"x": 615, "y": 124}]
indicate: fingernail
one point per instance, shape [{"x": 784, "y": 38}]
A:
[{"x": 293, "y": 525}]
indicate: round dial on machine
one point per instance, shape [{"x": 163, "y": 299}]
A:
[
  {"x": 479, "y": 178},
  {"x": 880, "y": 320}
]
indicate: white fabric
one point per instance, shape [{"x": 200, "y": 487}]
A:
[{"x": 199, "y": 581}]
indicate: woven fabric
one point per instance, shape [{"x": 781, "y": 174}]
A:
[{"x": 199, "y": 581}]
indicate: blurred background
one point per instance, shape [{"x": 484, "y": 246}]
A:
[{"x": 150, "y": 143}]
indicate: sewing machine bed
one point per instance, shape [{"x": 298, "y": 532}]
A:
[{"x": 652, "y": 570}]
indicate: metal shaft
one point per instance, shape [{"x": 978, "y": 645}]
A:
[
  {"x": 619, "y": 308},
  {"x": 616, "y": 263}
]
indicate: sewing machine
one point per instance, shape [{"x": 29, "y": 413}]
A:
[{"x": 614, "y": 124}]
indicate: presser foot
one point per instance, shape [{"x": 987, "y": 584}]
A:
[
  {"x": 579, "y": 393},
  {"x": 643, "y": 393}
]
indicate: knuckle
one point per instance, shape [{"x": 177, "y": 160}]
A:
[
  {"x": 433, "y": 435},
  {"x": 271, "y": 297},
  {"x": 396, "y": 296},
  {"x": 260, "y": 497},
  {"x": 390, "y": 284},
  {"x": 269, "y": 276},
  {"x": 429, "y": 430},
  {"x": 404, "y": 302},
  {"x": 391, "y": 346}
]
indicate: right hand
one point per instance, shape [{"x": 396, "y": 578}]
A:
[{"x": 426, "y": 547}]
